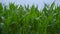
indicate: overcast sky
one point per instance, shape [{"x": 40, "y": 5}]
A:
[{"x": 40, "y": 3}]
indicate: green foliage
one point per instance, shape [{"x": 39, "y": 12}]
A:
[{"x": 29, "y": 20}]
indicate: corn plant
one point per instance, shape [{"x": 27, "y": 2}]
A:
[{"x": 29, "y": 20}]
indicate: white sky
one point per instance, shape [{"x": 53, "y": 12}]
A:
[{"x": 40, "y": 3}]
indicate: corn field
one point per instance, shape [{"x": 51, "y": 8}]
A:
[{"x": 25, "y": 20}]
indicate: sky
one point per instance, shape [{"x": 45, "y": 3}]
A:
[{"x": 40, "y": 3}]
